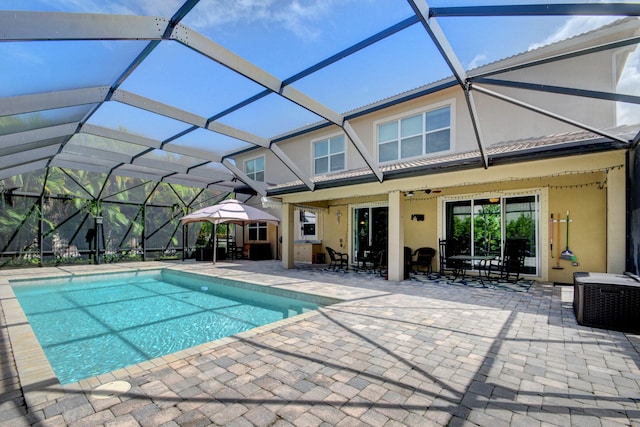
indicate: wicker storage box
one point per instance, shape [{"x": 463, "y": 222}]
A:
[{"x": 608, "y": 301}]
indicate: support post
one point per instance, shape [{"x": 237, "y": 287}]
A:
[
  {"x": 287, "y": 235},
  {"x": 396, "y": 236},
  {"x": 185, "y": 241},
  {"x": 98, "y": 220},
  {"x": 40, "y": 229},
  {"x": 144, "y": 232},
  {"x": 616, "y": 220}
]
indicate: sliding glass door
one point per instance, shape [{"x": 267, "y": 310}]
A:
[
  {"x": 481, "y": 226},
  {"x": 370, "y": 228},
  {"x": 522, "y": 221}
]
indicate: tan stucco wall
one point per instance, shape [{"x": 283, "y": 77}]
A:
[
  {"x": 499, "y": 121},
  {"x": 565, "y": 184},
  {"x": 578, "y": 184},
  {"x": 273, "y": 231}
]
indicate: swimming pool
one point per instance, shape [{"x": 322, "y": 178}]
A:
[{"x": 90, "y": 325}]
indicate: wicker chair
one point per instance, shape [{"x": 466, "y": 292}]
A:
[
  {"x": 337, "y": 260},
  {"x": 423, "y": 259}
]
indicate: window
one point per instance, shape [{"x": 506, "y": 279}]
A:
[
  {"x": 254, "y": 169},
  {"x": 328, "y": 155},
  {"x": 481, "y": 226},
  {"x": 370, "y": 230},
  {"x": 308, "y": 221},
  {"x": 418, "y": 135},
  {"x": 258, "y": 231}
]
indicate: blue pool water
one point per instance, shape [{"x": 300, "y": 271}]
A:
[{"x": 90, "y": 325}]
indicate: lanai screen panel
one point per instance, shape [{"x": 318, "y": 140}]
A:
[{"x": 158, "y": 72}]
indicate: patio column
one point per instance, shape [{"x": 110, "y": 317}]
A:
[
  {"x": 287, "y": 235},
  {"x": 616, "y": 220},
  {"x": 396, "y": 236}
]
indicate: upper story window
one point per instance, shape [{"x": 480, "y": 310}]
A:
[
  {"x": 417, "y": 135},
  {"x": 328, "y": 155},
  {"x": 254, "y": 169}
]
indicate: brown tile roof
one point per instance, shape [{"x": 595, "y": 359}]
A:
[{"x": 514, "y": 150}]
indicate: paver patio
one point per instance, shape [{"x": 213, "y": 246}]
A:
[{"x": 393, "y": 353}]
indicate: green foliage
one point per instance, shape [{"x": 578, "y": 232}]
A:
[
  {"x": 523, "y": 228},
  {"x": 487, "y": 230},
  {"x": 204, "y": 234},
  {"x": 72, "y": 199},
  {"x": 462, "y": 232}
]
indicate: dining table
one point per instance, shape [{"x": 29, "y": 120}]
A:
[{"x": 466, "y": 262}]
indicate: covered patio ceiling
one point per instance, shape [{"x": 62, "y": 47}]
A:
[{"x": 170, "y": 92}]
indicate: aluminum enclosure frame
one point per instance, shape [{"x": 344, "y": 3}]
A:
[{"x": 44, "y": 147}]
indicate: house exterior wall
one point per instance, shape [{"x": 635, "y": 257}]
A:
[
  {"x": 578, "y": 184},
  {"x": 499, "y": 121}
]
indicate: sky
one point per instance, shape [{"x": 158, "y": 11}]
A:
[{"x": 282, "y": 37}]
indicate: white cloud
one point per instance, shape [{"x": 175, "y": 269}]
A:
[
  {"x": 88, "y": 6},
  {"x": 13, "y": 52},
  {"x": 296, "y": 16},
  {"x": 303, "y": 18},
  {"x": 164, "y": 8},
  {"x": 630, "y": 78},
  {"x": 572, "y": 27},
  {"x": 479, "y": 59}
]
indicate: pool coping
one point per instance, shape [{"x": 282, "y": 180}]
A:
[{"x": 37, "y": 378}]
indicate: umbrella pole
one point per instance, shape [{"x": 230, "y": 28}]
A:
[{"x": 215, "y": 242}]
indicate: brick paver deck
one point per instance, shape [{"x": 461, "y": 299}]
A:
[{"x": 393, "y": 353}]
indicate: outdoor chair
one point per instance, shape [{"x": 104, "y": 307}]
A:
[
  {"x": 512, "y": 262},
  {"x": 337, "y": 260},
  {"x": 423, "y": 260},
  {"x": 365, "y": 259},
  {"x": 246, "y": 249},
  {"x": 234, "y": 251},
  {"x": 448, "y": 249},
  {"x": 380, "y": 263}
]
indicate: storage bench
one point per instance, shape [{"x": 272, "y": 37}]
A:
[{"x": 608, "y": 301}]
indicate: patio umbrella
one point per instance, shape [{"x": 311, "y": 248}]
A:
[{"x": 229, "y": 211}]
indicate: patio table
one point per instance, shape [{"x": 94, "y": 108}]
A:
[
  {"x": 461, "y": 271},
  {"x": 367, "y": 257}
]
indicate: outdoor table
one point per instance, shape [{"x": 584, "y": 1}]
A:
[
  {"x": 368, "y": 256},
  {"x": 468, "y": 258}
]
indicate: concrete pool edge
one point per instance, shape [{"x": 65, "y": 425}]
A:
[{"x": 38, "y": 380}]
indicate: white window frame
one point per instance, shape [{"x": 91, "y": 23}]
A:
[
  {"x": 542, "y": 237},
  {"x": 253, "y": 175},
  {"x": 351, "y": 226},
  {"x": 258, "y": 226},
  {"x": 328, "y": 139},
  {"x": 408, "y": 114},
  {"x": 299, "y": 223}
]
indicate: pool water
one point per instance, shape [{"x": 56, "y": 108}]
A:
[{"x": 95, "y": 324}]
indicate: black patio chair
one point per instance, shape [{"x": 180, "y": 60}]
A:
[
  {"x": 337, "y": 260},
  {"x": 380, "y": 264},
  {"x": 448, "y": 249},
  {"x": 423, "y": 260},
  {"x": 512, "y": 261}
]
